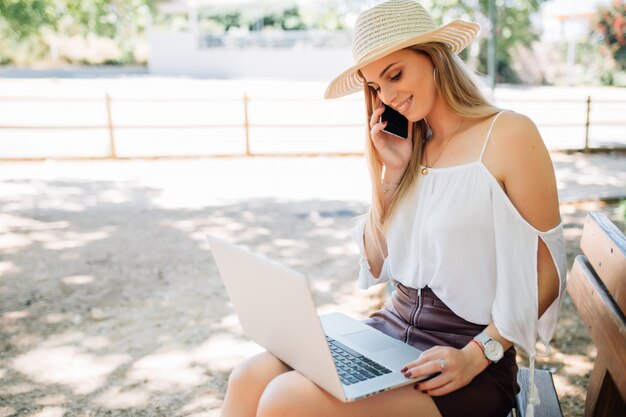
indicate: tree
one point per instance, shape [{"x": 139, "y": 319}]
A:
[
  {"x": 22, "y": 19},
  {"x": 513, "y": 27},
  {"x": 31, "y": 20},
  {"x": 610, "y": 25}
]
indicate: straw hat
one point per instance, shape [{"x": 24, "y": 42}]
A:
[{"x": 391, "y": 26}]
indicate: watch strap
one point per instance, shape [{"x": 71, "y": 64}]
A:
[{"x": 483, "y": 338}]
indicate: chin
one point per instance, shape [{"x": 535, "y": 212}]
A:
[{"x": 413, "y": 117}]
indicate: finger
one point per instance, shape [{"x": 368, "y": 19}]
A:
[
  {"x": 376, "y": 116},
  {"x": 432, "y": 385},
  {"x": 442, "y": 390},
  {"x": 375, "y": 133},
  {"x": 429, "y": 355},
  {"x": 428, "y": 368},
  {"x": 435, "y": 352},
  {"x": 435, "y": 381}
]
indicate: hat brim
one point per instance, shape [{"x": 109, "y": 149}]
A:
[{"x": 457, "y": 34}]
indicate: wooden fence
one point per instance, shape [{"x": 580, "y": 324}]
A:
[{"x": 111, "y": 127}]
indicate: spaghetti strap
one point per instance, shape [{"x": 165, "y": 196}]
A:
[{"x": 489, "y": 135}]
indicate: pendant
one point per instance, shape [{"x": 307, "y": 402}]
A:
[{"x": 424, "y": 171}]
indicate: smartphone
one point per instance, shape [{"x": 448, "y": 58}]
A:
[{"x": 397, "y": 124}]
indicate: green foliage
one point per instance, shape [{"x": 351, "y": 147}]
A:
[
  {"x": 609, "y": 28},
  {"x": 23, "y": 18},
  {"x": 27, "y": 22},
  {"x": 258, "y": 18},
  {"x": 226, "y": 20},
  {"x": 513, "y": 27}
]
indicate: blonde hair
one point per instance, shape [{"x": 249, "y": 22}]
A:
[{"x": 459, "y": 89}]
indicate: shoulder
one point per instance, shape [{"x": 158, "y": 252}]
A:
[
  {"x": 525, "y": 169},
  {"x": 516, "y": 144},
  {"x": 517, "y": 130}
]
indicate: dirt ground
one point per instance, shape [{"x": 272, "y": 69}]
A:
[{"x": 111, "y": 305}]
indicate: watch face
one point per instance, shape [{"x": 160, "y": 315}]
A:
[{"x": 493, "y": 351}]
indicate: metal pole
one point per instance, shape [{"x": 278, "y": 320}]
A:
[
  {"x": 246, "y": 126},
  {"x": 587, "y": 122},
  {"x": 491, "y": 56},
  {"x": 113, "y": 153}
]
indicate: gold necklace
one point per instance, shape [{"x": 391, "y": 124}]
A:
[{"x": 425, "y": 168}]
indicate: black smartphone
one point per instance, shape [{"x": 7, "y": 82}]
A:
[{"x": 397, "y": 124}]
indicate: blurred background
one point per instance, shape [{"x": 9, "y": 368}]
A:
[
  {"x": 237, "y": 77},
  {"x": 555, "y": 42},
  {"x": 129, "y": 129}
]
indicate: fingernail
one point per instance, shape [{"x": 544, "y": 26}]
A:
[
  {"x": 404, "y": 369},
  {"x": 407, "y": 374},
  {"x": 416, "y": 386}
]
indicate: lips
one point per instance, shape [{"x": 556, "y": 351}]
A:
[{"x": 405, "y": 105}]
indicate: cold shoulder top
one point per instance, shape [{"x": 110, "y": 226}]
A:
[{"x": 458, "y": 233}]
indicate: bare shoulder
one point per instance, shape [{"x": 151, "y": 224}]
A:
[
  {"x": 515, "y": 143},
  {"x": 525, "y": 169},
  {"x": 519, "y": 132}
]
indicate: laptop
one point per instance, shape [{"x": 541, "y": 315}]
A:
[{"x": 342, "y": 355}]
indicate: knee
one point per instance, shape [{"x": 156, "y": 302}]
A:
[
  {"x": 254, "y": 373},
  {"x": 244, "y": 375},
  {"x": 285, "y": 395}
]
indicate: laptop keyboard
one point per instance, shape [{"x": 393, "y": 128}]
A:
[{"x": 352, "y": 366}]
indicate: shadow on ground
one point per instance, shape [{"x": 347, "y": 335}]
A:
[{"x": 111, "y": 305}]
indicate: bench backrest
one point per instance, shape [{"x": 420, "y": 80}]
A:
[{"x": 597, "y": 286}]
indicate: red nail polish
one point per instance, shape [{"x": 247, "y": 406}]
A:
[
  {"x": 403, "y": 369},
  {"x": 416, "y": 386},
  {"x": 407, "y": 374}
]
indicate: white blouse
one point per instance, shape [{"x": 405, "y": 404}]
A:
[{"x": 458, "y": 233}]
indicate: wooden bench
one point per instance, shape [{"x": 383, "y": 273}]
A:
[{"x": 597, "y": 286}]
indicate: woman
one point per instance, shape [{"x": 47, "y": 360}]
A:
[{"x": 464, "y": 221}]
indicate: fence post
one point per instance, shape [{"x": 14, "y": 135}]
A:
[
  {"x": 586, "y": 149},
  {"x": 112, "y": 151},
  {"x": 246, "y": 125}
]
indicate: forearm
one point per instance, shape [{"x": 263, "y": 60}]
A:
[
  {"x": 547, "y": 293},
  {"x": 376, "y": 257},
  {"x": 474, "y": 352}
]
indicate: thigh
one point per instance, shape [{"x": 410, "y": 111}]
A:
[
  {"x": 258, "y": 370},
  {"x": 247, "y": 382},
  {"x": 293, "y": 394}
]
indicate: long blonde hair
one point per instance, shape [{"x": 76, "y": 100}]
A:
[{"x": 459, "y": 90}]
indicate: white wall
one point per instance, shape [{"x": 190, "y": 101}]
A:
[{"x": 178, "y": 53}]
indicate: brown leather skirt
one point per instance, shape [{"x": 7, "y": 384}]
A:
[{"x": 421, "y": 319}]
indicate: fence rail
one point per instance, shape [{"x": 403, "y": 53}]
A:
[{"x": 112, "y": 127}]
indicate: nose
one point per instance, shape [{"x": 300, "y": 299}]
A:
[{"x": 388, "y": 95}]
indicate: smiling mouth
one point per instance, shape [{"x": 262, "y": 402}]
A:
[{"x": 404, "y": 106}]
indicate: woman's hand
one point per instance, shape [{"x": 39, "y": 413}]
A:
[
  {"x": 395, "y": 153},
  {"x": 460, "y": 366}
]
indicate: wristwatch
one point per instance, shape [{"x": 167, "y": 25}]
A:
[{"x": 492, "y": 349}]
